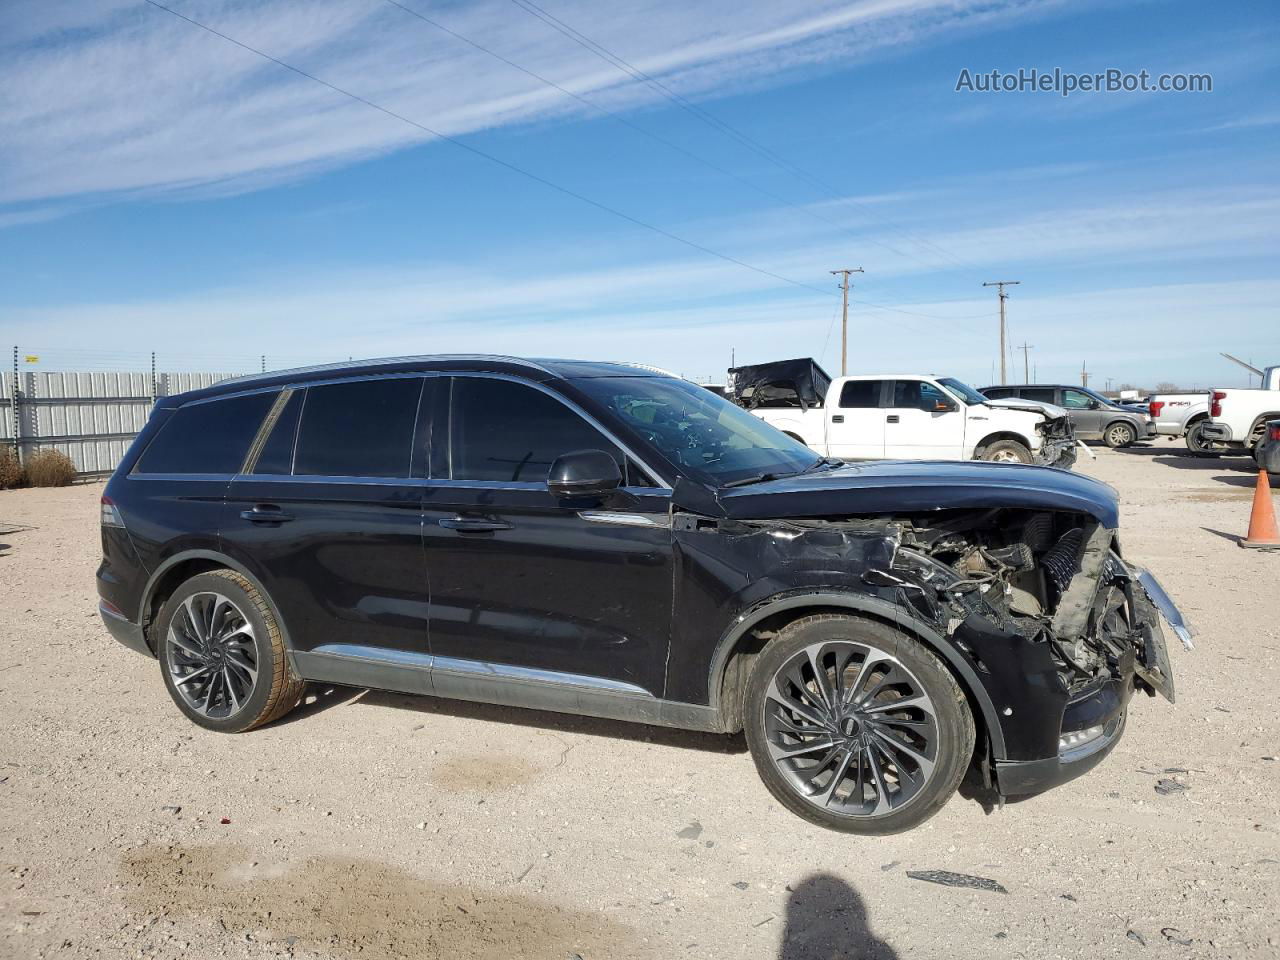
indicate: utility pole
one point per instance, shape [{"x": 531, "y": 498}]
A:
[
  {"x": 1084, "y": 375},
  {"x": 1001, "y": 284},
  {"x": 844, "y": 319},
  {"x": 1026, "y": 363}
]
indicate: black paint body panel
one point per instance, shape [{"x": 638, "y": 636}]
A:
[{"x": 645, "y": 587}]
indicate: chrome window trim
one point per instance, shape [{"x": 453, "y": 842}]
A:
[{"x": 608, "y": 434}]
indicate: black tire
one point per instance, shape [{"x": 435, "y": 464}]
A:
[
  {"x": 1119, "y": 434},
  {"x": 794, "y": 437},
  {"x": 1007, "y": 451},
  {"x": 1197, "y": 446},
  {"x": 943, "y": 727},
  {"x": 243, "y": 651}
]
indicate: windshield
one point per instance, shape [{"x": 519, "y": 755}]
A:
[
  {"x": 708, "y": 436},
  {"x": 963, "y": 391}
]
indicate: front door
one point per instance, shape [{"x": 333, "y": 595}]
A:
[
  {"x": 923, "y": 422},
  {"x": 856, "y": 421},
  {"x": 330, "y": 519},
  {"x": 1086, "y": 416},
  {"x": 528, "y": 588}
]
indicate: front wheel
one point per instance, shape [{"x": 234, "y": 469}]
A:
[
  {"x": 1007, "y": 451},
  {"x": 855, "y": 726},
  {"x": 222, "y": 654},
  {"x": 1119, "y": 434}
]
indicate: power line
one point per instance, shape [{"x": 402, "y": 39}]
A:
[
  {"x": 491, "y": 157},
  {"x": 526, "y": 173},
  {"x": 711, "y": 119}
]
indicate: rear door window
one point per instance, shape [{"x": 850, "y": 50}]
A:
[
  {"x": 210, "y": 437},
  {"x": 501, "y": 430},
  {"x": 999, "y": 393},
  {"x": 362, "y": 428},
  {"x": 1043, "y": 394},
  {"x": 859, "y": 394}
]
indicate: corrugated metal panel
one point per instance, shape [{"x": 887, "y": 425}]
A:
[{"x": 91, "y": 417}]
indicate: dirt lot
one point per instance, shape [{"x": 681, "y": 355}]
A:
[{"x": 378, "y": 826}]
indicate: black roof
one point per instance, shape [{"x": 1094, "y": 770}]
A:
[
  {"x": 541, "y": 370},
  {"x": 1042, "y": 386}
]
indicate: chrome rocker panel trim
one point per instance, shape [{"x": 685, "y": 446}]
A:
[{"x": 404, "y": 671}]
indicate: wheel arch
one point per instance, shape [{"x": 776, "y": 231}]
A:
[
  {"x": 1128, "y": 422},
  {"x": 731, "y": 662},
  {"x": 1259, "y": 425},
  {"x": 998, "y": 435},
  {"x": 180, "y": 568}
]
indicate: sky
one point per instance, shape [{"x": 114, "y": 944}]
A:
[{"x": 282, "y": 182}]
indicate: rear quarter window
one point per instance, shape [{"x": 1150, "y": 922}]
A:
[{"x": 210, "y": 437}]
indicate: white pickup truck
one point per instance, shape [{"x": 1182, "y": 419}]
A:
[
  {"x": 1238, "y": 418},
  {"x": 901, "y": 416}
]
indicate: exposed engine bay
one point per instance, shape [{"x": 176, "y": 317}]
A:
[{"x": 1050, "y": 577}]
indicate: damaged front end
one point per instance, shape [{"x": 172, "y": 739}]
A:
[
  {"x": 1060, "y": 629},
  {"x": 1057, "y": 443}
]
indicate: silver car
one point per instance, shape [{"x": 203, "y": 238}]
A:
[{"x": 1093, "y": 416}]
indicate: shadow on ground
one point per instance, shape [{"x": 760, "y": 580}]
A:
[
  {"x": 826, "y": 919},
  {"x": 321, "y": 697}
]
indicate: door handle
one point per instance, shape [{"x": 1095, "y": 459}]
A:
[
  {"x": 891, "y": 418},
  {"x": 474, "y": 524},
  {"x": 837, "y": 418},
  {"x": 265, "y": 513}
]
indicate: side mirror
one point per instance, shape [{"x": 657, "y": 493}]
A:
[
  {"x": 584, "y": 473},
  {"x": 943, "y": 406}
]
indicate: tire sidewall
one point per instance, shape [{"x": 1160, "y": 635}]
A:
[
  {"x": 1020, "y": 450},
  {"x": 955, "y": 721},
  {"x": 233, "y": 591}
]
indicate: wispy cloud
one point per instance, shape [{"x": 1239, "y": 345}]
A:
[{"x": 108, "y": 96}]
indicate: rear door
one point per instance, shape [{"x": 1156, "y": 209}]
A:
[
  {"x": 856, "y": 421},
  {"x": 923, "y": 422},
  {"x": 330, "y": 518}
]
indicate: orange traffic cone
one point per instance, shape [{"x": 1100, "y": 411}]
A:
[{"x": 1263, "y": 533}]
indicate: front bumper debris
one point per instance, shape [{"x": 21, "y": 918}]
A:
[{"x": 1060, "y": 453}]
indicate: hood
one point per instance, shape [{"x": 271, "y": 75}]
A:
[
  {"x": 1032, "y": 406},
  {"x": 911, "y": 486}
]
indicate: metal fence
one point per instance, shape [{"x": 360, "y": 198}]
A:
[{"x": 91, "y": 417}]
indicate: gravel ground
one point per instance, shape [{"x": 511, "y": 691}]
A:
[{"x": 379, "y": 826}]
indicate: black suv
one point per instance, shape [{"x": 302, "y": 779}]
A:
[
  {"x": 609, "y": 540},
  {"x": 1093, "y": 416}
]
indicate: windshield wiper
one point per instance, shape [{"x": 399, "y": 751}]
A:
[{"x": 760, "y": 478}]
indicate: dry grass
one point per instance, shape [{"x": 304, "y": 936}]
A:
[
  {"x": 50, "y": 468},
  {"x": 11, "y": 472}
]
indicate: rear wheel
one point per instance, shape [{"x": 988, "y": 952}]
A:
[
  {"x": 1119, "y": 434},
  {"x": 1197, "y": 445},
  {"x": 222, "y": 655},
  {"x": 1007, "y": 451},
  {"x": 855, "y": 726}
]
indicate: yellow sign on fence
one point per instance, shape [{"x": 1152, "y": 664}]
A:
[{"x": 31, "y": 359}]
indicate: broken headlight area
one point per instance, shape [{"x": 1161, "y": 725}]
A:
[{"x": 1052, "y": 579}]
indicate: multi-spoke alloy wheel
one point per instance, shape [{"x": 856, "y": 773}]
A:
[
  {"x": 222, "y": 653},
  {"x": 212, "y": 657},
  {"x": 851, "y": 728},
  {"x": 856, "y": 726}
]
